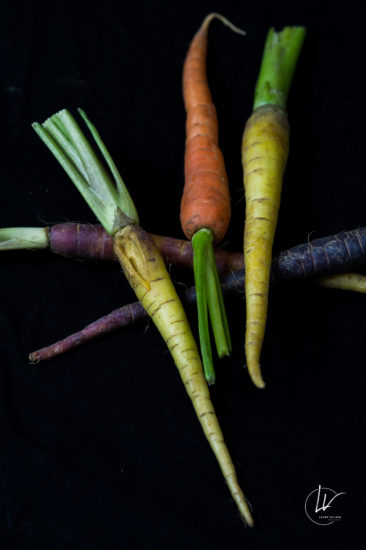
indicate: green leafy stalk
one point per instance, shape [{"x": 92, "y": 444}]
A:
[
  {"x": 18, "y": 238},
  {"x": 210, "y": 302},
  {"x": 103, "y": 190},
  {"x": 281, "y": 52}
]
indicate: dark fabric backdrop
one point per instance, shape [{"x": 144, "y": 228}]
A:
[{"x": 100, "y": 448}]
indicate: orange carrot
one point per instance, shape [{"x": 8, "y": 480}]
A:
[
  {"x": 205, "y": 207},
  {"x": 206, "y": 198}
]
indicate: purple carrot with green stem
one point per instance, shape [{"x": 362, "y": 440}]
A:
[{"x": 344, "y": 251}]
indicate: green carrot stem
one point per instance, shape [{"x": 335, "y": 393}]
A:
[
  {"x": 199, "y": 245},
  {"x": 18, "y": 238},
  {"x": 216, "y": 306},
  {"x": 103, "y": 189},
  {"x": 281, "y": 52},
  {"x": 210, "y": 302}
]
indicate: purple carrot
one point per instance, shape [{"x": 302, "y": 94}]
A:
[
  {"x": 333, "y": 254},
  {"x": 118, "y": 318},
  {"x": 129, "y": 314},
  {"x": 91, "y": 241},
  {"x": 77, "y": 240},
  {"x": 338, "y": 253}
]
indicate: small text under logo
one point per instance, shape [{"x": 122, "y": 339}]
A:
[{"x": 322, "y": 506}]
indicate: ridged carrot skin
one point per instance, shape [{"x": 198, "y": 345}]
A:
[
  {"x": 206, "y": 199},
  {"x": 146, "y": 272},
  {"x": 344, "y": 251},
  {"x": 264, "y": 155},
  {"x": 205, "y": 207}
]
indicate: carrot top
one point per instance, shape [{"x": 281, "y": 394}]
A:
[
  {"x": 280, "y": 55},
  {"x": 109, "y": 200},
  {"x": 210, "y": 301}
]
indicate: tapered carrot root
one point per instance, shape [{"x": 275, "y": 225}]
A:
[
  {"x": 132, "y": 313},
  {"x": 118, "y": 318},
  {"x": 264, "y": 156},
  {"x": 147, "y": 274},
  {"x": 206, "y": 198},
  {"x": 143, "y": 266},
  {"x": 205, "y": 207},
  {"x": 353, "y": 282}
]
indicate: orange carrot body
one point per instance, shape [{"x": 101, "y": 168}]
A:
[
  {"x": 206, "y": 199},
  {"x": 205, "y": 207}
]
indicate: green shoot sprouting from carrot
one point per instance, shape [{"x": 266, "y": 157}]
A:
[
  {"x": 264, "y": 156},
  {"x": 144, "y": 268},
  {"x": 205, "y": 208}
]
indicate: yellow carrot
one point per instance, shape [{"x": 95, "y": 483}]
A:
[
  {"x": 264, "y": 156},
  {"x": 145, "y": 270},
  {"x": 343, "y": 281}
]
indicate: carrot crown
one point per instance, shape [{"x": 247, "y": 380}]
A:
[
  {"x": 109, "y": 200},
  {"x": 280, "y": 55}
]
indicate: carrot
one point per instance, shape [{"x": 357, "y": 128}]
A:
[
  {"x": 354, "y": 282},
  {"x": 205, "y": 207},
  {"x": 206, "y": 199},
  {"x": 264, "y": 156},
  {"x": 133, "y": 313},
  {"x": 159, "y": 299},
  {"x": 145, "y": 270},
  {"x": 329, "y": 255},
  {"x": 118, "y": 318},
  {"x": 332, "y": 254}
]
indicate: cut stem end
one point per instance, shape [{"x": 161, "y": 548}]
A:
[{"x": 280, "y": 55}]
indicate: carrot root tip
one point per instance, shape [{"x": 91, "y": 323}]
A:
[
  {"x": 224, "y": 20},
  {"x": 33, "y": 359},
  {"x": 256, "y": 376}
]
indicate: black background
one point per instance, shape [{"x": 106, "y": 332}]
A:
[{"x": 100, "y": 448}]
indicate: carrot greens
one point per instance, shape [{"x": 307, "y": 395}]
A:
[
  {"x": 110, "y": 201},
  {"x": 19, "y": 238},
  {"x": 209, "y": 302}
]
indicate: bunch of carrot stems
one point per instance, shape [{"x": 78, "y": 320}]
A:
[{"x": 205, "y": 216}]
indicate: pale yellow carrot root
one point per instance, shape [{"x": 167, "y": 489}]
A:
[
  {"x": 264, "y": 155},
  {"x": 343, "y": 281},
  {"x": 143, "y": 266},
  {"x": 147, "y": 274}
]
